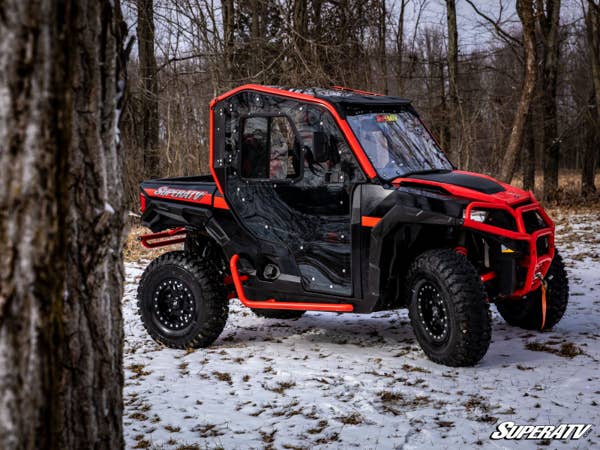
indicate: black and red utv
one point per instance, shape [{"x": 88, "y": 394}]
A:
[{"x": 341, "y": 200}]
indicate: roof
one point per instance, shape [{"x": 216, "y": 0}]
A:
[
  {"x": 345, "y": 100},
  {"x": 351, "y": 101}
]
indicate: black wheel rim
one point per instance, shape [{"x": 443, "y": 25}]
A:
[
  {"x": 433, "y": 312},
  {"x": 173, "y": 304}
]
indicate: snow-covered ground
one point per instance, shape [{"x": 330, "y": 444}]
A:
[{"x": 360, "y": 381}]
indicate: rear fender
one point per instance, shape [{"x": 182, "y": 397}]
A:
[{"x": 161, "y": 214}]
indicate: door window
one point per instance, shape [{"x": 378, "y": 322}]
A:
[
  {"x": 269, "y": 148},
  {"x": 328, "y": 158}
]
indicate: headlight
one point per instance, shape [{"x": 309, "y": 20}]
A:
[
  {"x": 478, "y": 215},
  {"x": 493, "y": 217}
]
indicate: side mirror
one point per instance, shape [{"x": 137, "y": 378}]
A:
[{"x": 320, "y": 147}]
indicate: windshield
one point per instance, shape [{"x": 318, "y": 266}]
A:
[{"x": 398, "y": 144}]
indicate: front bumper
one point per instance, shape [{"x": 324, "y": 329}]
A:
[{"x": 539, "y": 242}]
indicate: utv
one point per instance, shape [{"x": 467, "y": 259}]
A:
[{"x": 342, "y": 200}]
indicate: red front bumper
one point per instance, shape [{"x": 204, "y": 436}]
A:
[{"x": 536, "y": 265}]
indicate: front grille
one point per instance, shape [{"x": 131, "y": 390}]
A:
[
  {"x": 533, "y": 221},
  {"x": 501, "y": 219},
  {"x": 542, "y": 246}
]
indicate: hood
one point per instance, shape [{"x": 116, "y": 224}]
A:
[{"x": 467, "y": 185}]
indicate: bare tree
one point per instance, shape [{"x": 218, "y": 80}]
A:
[
  {"x": 382, "y": 42},
  {"x": 592, "y": 20},
  {"x": 148, "y": 88},
  {"x": 547, "y": 19},
  {"x": 61, "y": 224},
  {"x": 400, "y": 46},
  {"x": 525, "y": 11},
  {"x": 592, "y": 23},
  {"x": 300, "y": 30},
  {"x": 257, "y": 41},
  {"x": 453, "y": 78},
  {"x": 228, "y": 14},
  {"x": 528, "y": 157}
]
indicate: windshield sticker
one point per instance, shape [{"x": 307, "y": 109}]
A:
[{"x": 386, "y": 117}]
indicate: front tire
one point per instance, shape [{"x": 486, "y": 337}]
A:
[
  {"x": 448, "y": 308},
  {"x": 526, "y": 312},
  {"x": 181, "y": 302}
]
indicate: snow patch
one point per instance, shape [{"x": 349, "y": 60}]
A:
[{"x": 361, "y": 381}]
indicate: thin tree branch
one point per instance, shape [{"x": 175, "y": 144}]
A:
[{"x": 496, "y": 24}]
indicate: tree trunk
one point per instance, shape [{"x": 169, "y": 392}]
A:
[
  {"x": 535, "y": 122},
  {"x": 515, "y": 142},
  {"x": 300, "y": 29},
  {"x": 547, "y": 24},
  {"x": 591, "y": 150},
  {"x": 528, "y": 160},
  {"x": 593, "y": 38},
  {"x": 445, "y": 133},
  {"x": 255, "y": 41},
  {"x": 453, "y": 146},
  {"x": 228, "y": 43},
  {"x": 61, "y": 225},
  {"x": 400, "y": 47},
  {"x": 148, "y": 88},
  {"x": 592, "y": 22},
  {"x": 382, "y": 41}
]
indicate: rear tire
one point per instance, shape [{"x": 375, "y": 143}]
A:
[
  {"x": 526, "y": 312},
  {"x": 448, "y": 308},
  {"x": 286, "y": 314},
  {"x": 181, "y": 301}
]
